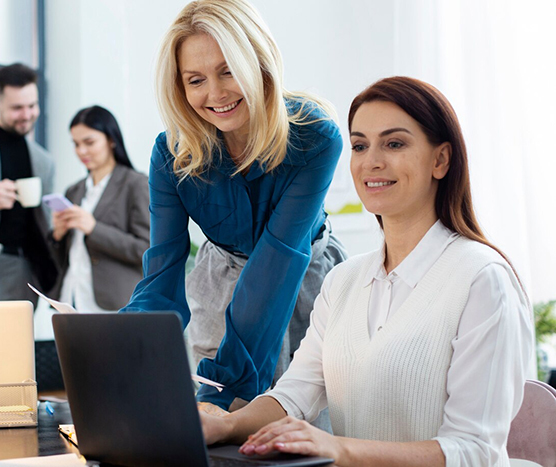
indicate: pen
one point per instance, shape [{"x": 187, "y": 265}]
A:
[{"x": 48, "y": 407}]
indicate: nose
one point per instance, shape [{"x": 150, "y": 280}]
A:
[
  {"x": 27, "y": 113},
  {"x": 80, "y": 150},
  {"x": 374, "y": 159},
  {"x": 217, "y": 91}
]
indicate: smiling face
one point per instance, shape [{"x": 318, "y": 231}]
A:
[
  {"x": 94, "y": 150},
  {"x": 19, "y": 108},
  {"x": 210, "y": 88},
  {"x": 394, "y": 167}
]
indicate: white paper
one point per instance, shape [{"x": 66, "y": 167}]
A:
[
  {"x": 62, "y": 460},
  {"x": 61, "y": 307},
  {"x": 200, "y": 379}
]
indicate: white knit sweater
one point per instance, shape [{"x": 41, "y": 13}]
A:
[{"x": 393, "y": 387}]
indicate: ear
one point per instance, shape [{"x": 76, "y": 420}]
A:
[{"x": 442, "y": 160}]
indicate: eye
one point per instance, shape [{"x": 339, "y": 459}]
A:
[
  {"x": 195, "y": 82},
  {"x": 358, "y": 147},
  {"x": 227, "y": 73},
  {"x": 395, "y": 145}
]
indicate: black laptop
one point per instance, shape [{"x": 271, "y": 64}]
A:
[{"x": 131, "y": 396}]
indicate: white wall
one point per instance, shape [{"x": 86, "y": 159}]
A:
[{"x": 17, "y": 36}]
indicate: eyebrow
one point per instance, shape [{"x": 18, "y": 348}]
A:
[
  {"x": 384, "y": 133},
  {"x": 17, "y": 106},
  {"x": 220, "y": 65}
]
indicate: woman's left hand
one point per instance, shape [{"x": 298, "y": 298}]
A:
[
  {"x": 77, "y": 218},
  {"x": 293, "y": 436}
]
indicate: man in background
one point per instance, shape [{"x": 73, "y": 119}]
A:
[{"x": 24, "y": 252}]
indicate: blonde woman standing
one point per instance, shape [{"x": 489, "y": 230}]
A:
[{"x": 250, "y": 163}]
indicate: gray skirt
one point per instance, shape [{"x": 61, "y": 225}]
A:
[{"x": 211, "y": 283}]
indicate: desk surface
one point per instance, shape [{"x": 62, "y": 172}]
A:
[{"x": 42, "y": 441}]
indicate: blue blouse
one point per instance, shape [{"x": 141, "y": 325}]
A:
[{"x": 270, "y": 217}]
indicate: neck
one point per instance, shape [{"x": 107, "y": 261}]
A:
[
  {"x": 401, "y": 236},
  {"x": 102, "y": 172},
  {"x": 236, "y": 142}
]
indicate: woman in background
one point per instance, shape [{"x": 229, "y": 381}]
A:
[
  {"x": 100, "y": 240},
  {"x": 421, "y": 348},
  {"x": 250, "y": 163}
]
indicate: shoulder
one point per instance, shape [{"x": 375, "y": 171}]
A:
[
  {"x": 350, "y": 277},
  {"x": 316, "y": 131},
  {"x": 39, "y": 153},
  {"x": 132, "y": 176},
  {"x": 160, "y": 153},
  {"x": 38, "y": 149},
  {"x": 75, "y": 187},
  {"x": 355, "y": 267},
  {"x": 467, "y": 251},
  {"x": 132, "y": 185},
  {"x": 314, "y": 118},
  {"x": 162, "y": 160},
  {"x": 486, "y": 265}
]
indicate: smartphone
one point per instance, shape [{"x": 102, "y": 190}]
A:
[{"x": 57, "y": 202}]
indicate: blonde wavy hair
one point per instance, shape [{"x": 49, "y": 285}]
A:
[{"x": 256, "y": 64}]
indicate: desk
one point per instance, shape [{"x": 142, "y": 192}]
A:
[{"x": 42, "y": 441}]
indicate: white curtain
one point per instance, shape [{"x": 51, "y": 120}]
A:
[{"x": 494, "y": 60}]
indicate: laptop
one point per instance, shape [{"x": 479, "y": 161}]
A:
[
  {"x": 17, "y": 342},
  {"x": 131, "y": 396}
]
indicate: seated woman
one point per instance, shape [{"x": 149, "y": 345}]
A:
[
  {"x": 100, "y": 241},
  {"x": 420, "y": 349}
]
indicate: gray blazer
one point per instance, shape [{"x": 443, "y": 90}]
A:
[
  {"x": 37, "y": 251},
  {"x": 118, "y": 241}
]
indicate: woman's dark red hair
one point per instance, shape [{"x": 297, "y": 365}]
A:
[{"x": 428, "y": 106}]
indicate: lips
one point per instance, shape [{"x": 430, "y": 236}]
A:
[
  {"x": 226, "y": 108},
  {"x": 378, "y": 184}
]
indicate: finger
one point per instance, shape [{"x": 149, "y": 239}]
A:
[
  {"x": 8, "y": 184},
  {"x": 285, "y": 439},
  {"x": 66, "y": 214},
  {"x": 72, "y": 217},
  {"x": 275, "y": 429},
  {"x": 306, "y": 447},
  {"x": 72, "y": 224},
  {"x": 263, "y": 443},
  {"x": 266, "y": 432}
]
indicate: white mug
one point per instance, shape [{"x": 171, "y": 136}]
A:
[{"x": 29, "y": 191}]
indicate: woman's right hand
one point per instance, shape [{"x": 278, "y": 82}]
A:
[
  {"x": 216, "y": 428},
  {"x": 60, "y": 225}
]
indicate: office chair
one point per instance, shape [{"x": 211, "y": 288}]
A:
[{"x": 533, "y": 431}]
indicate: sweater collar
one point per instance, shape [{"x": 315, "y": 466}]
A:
[{"x": 412, "y": 269}]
